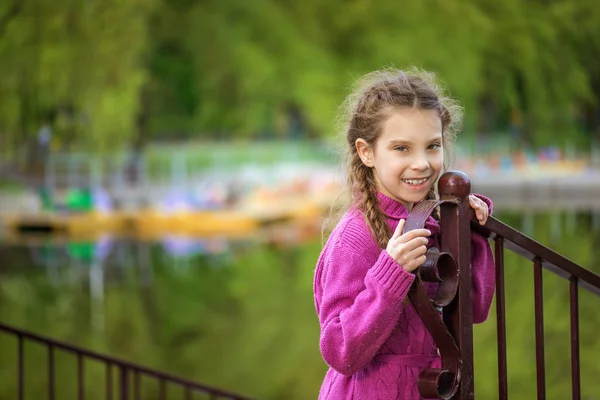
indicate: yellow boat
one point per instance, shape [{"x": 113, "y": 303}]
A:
[
  {"x": 152, "y": 223},
  {"x": 247, "y": 219},
  {"x": 70, "y": 224}
]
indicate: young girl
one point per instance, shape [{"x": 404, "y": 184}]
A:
[{"x": 398, "y": 126}]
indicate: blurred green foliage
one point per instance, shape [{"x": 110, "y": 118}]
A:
[
  {"x": 110, "y": 73},
  {"x": 245, "y": 321}
]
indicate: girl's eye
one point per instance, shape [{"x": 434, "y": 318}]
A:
[
  {"x": 401, "y": 148},
  {"x": 434, "y": 146}
]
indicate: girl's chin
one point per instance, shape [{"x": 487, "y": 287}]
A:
[
  {"x": 409, "y": 198},
  {"x": 416, "y": 197}
]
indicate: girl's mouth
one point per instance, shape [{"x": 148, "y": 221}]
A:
[{"x": 416, "y": 184}]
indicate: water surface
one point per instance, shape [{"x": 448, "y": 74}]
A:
[{"x": 239, "y": 314}]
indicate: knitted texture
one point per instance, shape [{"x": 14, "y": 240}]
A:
[{"x": 360, "y": 296}]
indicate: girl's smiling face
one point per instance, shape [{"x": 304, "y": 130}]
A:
[{"x": 407, "y": 157}]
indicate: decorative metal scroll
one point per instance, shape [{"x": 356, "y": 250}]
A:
[{"x": 439, "y": 267}]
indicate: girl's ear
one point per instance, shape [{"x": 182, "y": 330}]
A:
[{"x": 365, "y": 152}]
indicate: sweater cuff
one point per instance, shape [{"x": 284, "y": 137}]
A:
[{"x": 391, "y": 275}]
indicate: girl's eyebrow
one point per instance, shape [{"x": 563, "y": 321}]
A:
[
  {"x": 404, "y": 141},
  {"x": 400, "y": 141}
]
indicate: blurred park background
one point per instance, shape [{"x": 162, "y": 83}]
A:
[{"x": 165, "y": 168}]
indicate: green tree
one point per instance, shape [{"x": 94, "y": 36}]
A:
[
  {"x": 78, "y": 62},
  {"x": 270, "y": 67}
]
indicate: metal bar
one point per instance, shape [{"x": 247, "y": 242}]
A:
[
  {"x": 574, "y": 306},
  {"x": 162, "y": 389},
  {"x": 123, "y": 384},
  {"x": 456, "y": 239},
  {"x": 121, "y": 363},
  {"x": 136, "y": 385},
  {"x": 501, "y": 318},
  {"x": 539, "y": 328},
  {"x": 529, "y": 248},
  {"x": 50, "y": 372},
  {"x": 21, "y": 365},
  {"x": 80, "y": 380},
  {"x": 109, "y": 387}
]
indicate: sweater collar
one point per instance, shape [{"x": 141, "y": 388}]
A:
[{"x": 392, "y": 208}]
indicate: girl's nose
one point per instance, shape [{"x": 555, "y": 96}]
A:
[{"x": 420, "y": 163}]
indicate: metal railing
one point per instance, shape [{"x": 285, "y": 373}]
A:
[
  {"x": 541, "y": 256},
  {"x": 456, "y": 232},
  {"x": 124, "y": 386}
]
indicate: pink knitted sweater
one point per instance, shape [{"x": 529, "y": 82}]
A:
[{"x": 359, "y": 295}]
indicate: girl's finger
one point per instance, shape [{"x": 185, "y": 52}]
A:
[
  {"x": 474, "y": 201},
  {"x": 417, "y": 252},
  {"x": 414, "y": 244},
  {"x": 406, "y": 256},
  {"x": 484, "y": 217},
  {"x": 415, "y": 263},
  {"x": 415, "y": 233},
  {"x": 399, "y": 228}
]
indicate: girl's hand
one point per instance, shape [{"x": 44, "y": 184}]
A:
[
  {"x": 480, "y": 207},
  {"x": 409, "y": 249}
]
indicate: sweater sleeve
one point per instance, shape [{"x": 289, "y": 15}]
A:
[
  {"x": 358, "y": 305},
  {"x": 483, "y": 273}
]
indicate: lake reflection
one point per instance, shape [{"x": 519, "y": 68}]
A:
[{"x": 239, "y": 314}]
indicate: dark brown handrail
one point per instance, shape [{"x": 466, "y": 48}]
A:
[
  {"x": 123, "y": 366},
  {"x": 525, "y": 246},
  {"x": 542, "y": 257}
]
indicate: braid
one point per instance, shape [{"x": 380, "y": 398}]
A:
[{"x": 367, "y": 201}]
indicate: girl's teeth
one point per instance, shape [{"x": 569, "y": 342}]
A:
[{"x": 415, "y": 181}]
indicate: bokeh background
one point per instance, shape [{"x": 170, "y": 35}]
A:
[{"x": 166, "y": 167}]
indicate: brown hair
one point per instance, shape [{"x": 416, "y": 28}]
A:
[{"x": 374, "y": 98}]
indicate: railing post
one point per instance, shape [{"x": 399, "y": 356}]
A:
[
  {"x": 456, "y": 239},
  {"x": 124, "y": 383}
]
